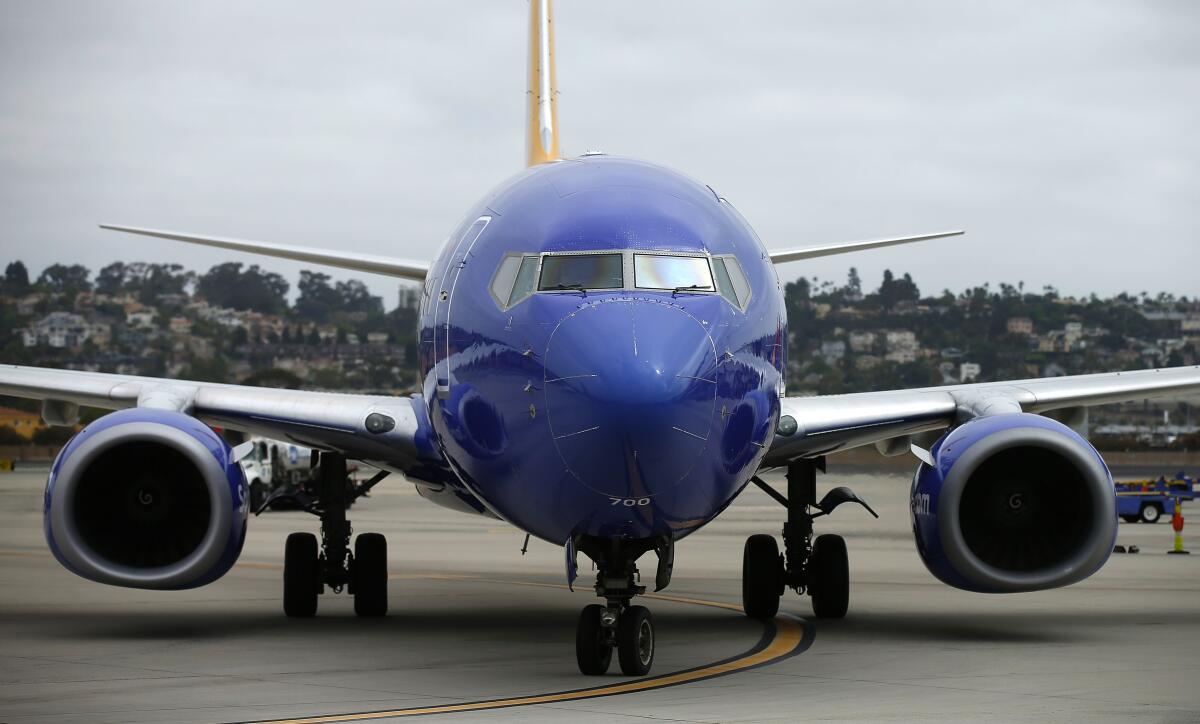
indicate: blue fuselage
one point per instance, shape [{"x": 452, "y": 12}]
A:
[{"x": 622, "y": 413}]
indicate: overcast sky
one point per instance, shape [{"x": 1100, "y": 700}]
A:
[{"x": 1065, "y": 137}]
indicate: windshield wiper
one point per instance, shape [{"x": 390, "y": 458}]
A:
[
  {"x": 572, "y": 287},
  {"x": 689, "y": 288}
]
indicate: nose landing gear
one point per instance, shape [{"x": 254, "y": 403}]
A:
[
  {"x": 617, "y": 624},
  {"x": 819, "y": 568}
]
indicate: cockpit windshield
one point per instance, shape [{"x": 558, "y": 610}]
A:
[
  {"x": 519, "y": 275},
  {"x": 581, "y": 271},
  {"x": 654, "y": 271}
]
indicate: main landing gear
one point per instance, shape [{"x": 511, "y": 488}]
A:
[
  {"x": 819, "y": 568},
  {"x": 307, "y": 570},
  {"x": 617, "y": 624}
]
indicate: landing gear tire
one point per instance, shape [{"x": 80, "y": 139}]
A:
[
  {"x": 301, "y": 581},
  {"x": 762, "y": 577},
  {"x": 829, "y": 577},
  {"x": 370, "y": 575},
  {"x": 635, "y": 641},
  {"x": 593, "y": 651},
  {"x": 1150, "y": 514}
]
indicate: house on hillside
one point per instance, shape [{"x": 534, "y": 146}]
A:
[
  {"x": 1019, "y": 325},
  {"x": 57, "y": 329}
]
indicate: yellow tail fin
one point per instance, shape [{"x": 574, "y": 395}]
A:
[{"x": 541, "y": 110}]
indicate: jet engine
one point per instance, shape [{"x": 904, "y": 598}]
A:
[
  {"x": 1013, "y": 502},
  {"x": 146, "y": 498}
]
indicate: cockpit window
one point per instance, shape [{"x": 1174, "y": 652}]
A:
[
  {"x": 506, "y": 275},
  {"x": 581, "y": 271},
  {"x": 654, "y": 271},
  {"x": 514, "y": 279},
  {"x": 526, "y": 278},
  {"x": 521, "y": 274},
  {"x": 731, "y": 281}
]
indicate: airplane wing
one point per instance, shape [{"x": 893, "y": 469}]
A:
[
  {"x": 386, "y": 430},
  {"x": 895, "y": 420},
  {"x": 387, "y": 266},
  {"x": 845, "y": 247}
]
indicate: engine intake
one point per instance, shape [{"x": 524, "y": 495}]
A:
[
  {"x": 1013, "y": 502},
  {"x": 146, "y": 499}
]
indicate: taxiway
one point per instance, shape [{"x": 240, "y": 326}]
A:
[{"x": 472, "y": 620}]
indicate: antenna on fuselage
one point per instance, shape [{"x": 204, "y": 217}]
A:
[{"x": 541, "y": 103}]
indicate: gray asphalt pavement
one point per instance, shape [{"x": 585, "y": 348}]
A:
[{"x": 463, "y": 626}]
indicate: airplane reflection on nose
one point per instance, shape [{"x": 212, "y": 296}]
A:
[{"x": 630, "y": 389}]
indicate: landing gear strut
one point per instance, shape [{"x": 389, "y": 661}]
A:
[
  {"x": 819, "y": 568},
  {"x": 617, "y": 624},
  {"x": 307, "y": 570}
]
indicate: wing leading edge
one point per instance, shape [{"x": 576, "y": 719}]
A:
[
  {"x": 889, "y": 419},
  {"x": 387, "y": 266},
  {"x": 846, "y": 247}
]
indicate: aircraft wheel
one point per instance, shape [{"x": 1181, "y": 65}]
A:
[
  {"x": 829, "y": 577},
  {"x": 301, "y": 581},
  {"x": 592, "y": 650},
  {"x": 635, "y": 641},
  {"x": 762, "y": 577},
  {"x": 370, "y": 575},
  {"x": 1150, "y": 513}
]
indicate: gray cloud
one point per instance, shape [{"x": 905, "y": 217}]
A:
[{"x": 1063, "y": 136}]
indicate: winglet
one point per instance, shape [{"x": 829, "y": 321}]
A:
[
  {"x": 387, "y": 266},
  {"x": 541, "y": 110},
  {"x": 845, "y": 247}
]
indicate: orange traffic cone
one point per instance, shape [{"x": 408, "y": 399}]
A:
[{"x": 1177, "y": 524}]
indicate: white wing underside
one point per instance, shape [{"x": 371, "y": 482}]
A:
[
  {"x": 324, "y": 420},
  {"x": 890, "y": 419}
]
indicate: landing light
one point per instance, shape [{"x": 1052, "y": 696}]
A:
[
  {"x": 377, "y": 423},
  {"x": 787, "y": 426}
]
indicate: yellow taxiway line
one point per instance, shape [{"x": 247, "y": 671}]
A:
[{"x": 785, "y": 636}]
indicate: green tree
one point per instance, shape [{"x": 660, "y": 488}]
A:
[
  {"x": 355, "y": 297},
  {"x": 16, "y": 280},
  {"x": 67, "y": 280},
  {"x": 147, "y": 281},
  {"x": 227, "y": 285},
  {"x": 318, "y": 300},
  {"x": 853, "y": 284}
]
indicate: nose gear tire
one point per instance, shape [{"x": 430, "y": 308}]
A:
[
  {"x": 635, "y": 641},
  {"x": 592, "y": 650}
]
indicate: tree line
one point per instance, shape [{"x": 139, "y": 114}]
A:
[{"x": 230, "y": 285}]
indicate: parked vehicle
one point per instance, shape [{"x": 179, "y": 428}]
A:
[
  {"x": 275, "y": 467},
  {"x": 1146, "y": 501}
]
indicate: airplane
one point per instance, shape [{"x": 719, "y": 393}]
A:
[{"x": 602, "y": 350}]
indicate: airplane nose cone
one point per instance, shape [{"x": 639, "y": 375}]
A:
[{"x": 630, "y": 390}]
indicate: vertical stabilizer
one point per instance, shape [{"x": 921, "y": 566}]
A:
[{"x": 541, "y": 106}]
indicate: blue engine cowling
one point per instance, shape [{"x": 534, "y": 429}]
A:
[
  {"x": 1013, "y": 502},
  {"x": 146, "y": 498}
]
